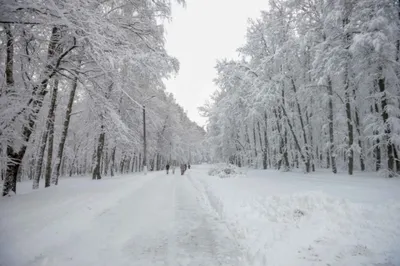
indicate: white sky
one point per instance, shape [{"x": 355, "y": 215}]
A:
[{"x": 201, "y": 33}]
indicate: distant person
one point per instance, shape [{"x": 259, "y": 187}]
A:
[
  {"x": 189, "y": 166},
  {"x": 173, "y": 169},
  {"x": 167, "y": 167},
  {"x": 183, "y": 168}
]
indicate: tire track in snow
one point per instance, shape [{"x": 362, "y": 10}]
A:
[{"x": 207, "y": 204}]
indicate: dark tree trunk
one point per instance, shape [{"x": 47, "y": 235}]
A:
[
  {"x": 350, "y": 153},
  {"x": 296, "y": 142},
  {"x": 51, "y": 118},
  {"x": 265, "y": 152},
  {"x": 285, "y": 152},
  {"x": 303, "y": 129},
  {"x": 10, "y": 57},
  {"x": 100, "y": 146},
  {"x": 39, "y": 161},
  {"x": 255, "y": 141},
  {"x": 106, "y": 162},
  {"x": 64, "y": 133},
  {"x": 43, "y": 141},
  {"x": 331, "y": 150},
  {"x": 112, "y": 169},
  {"x": 385, "y": 117},
  {"x": 377, "y": 148},
  {"x": 140, "y": 162},
  {"x": 358, "y": 129}
]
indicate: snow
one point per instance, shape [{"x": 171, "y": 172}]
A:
[
  {"x": 266, "y": 218},
  {"x": 130, "y": 220},
  {"x": 314, "y": 219}
]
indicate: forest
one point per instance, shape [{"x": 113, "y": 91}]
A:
[
  {"x": 316, "y": 86},
  {"x": 126, "y": 139},
  {"x": 75, "y": 78}
]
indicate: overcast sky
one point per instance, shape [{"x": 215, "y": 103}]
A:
[{"x": 201, "y": 33}]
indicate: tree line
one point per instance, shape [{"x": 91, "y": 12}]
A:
[
  {"x": 316, "y": 86},
  {"x": 72, "y": 74}
]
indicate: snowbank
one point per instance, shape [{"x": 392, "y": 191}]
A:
[
  {"x": 225, "y": 170},
  {"x": 306, "y": 228}
]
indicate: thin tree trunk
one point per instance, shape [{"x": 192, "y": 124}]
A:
[
  {"x": 311, "y": 155},
  {"x": 358, "y": 128},
  {"x": 350, "y": 154},
  {"x": 307, "y": 153},
  {"x": 43, "y": 141},
  {"x": 350, "y": 136},
  {"x": 51, "y": 118},
  {"x": 64, "y": 133},
  {"x": 255, "y": 141},
  {"x": 296, "y": 142},
  {"x": 100, "y": 146},
  {"x": 285, "y": 152},
  {"x": 332, "y": 153},
  {"x": 10, "y": 58},
  {"x": 140, "y": 162},
  {"x": 112, "y": 161},
  {"x": 39, "y": 161},
  {"x": 377, "y": 148},
  {"x": 106, "y": 162},
  {"x": 277, "y": 119},
  {"x": 385, "y": 117}
]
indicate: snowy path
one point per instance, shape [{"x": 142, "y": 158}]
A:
[
  {"x": 152, "y": 220},
  {"x": 264, "y": 219}
]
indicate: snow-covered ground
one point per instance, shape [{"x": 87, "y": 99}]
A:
[
  {"x": 315, "y": 219},
  {"x": 131, "y": 220},
  {"x": 266, "y": 218}
]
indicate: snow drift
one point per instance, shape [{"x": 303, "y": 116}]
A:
[{"x": 225, "y": 170}]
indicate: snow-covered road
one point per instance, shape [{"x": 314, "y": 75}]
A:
[
  {"x": 266, "y": 218},
  {"x": 138, "y": 220}
]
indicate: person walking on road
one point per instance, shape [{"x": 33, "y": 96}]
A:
[
  {"x": 167, "y": 167},
  {"x": 183, "y": 168}
]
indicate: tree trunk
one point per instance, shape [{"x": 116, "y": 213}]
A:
[
  {"x": 285, "y": 152},
  {"x": 377, "y": 148},
  {"x": 265, "y": 149},
  {"x": 43, "y": 141},
  {"x": 112, "y": 161},
  {"x": 140, "y": 162},
  {"x": 358, "y": 128},
  {"x": 100, "y": 146},
  {"x": 51, "y": 118},
  {"x": 350, "y": 153},
  {"x": 281, "y": 145},
  {"x": 10, "y": 58},
  {"x": 332, "y": 156},
  {"x": 296, "y": 142},
  {"x": 39, "y": 161},
  {"x": 307, "y": 153},
  {"x": 106, "y": 162},
  {"x": 64, "y": 133},
  {"x": 385, "y": 117},
  {"x": 255, "y": 141}
]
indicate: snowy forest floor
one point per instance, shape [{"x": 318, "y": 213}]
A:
[{"x": 266, "y": 218}]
